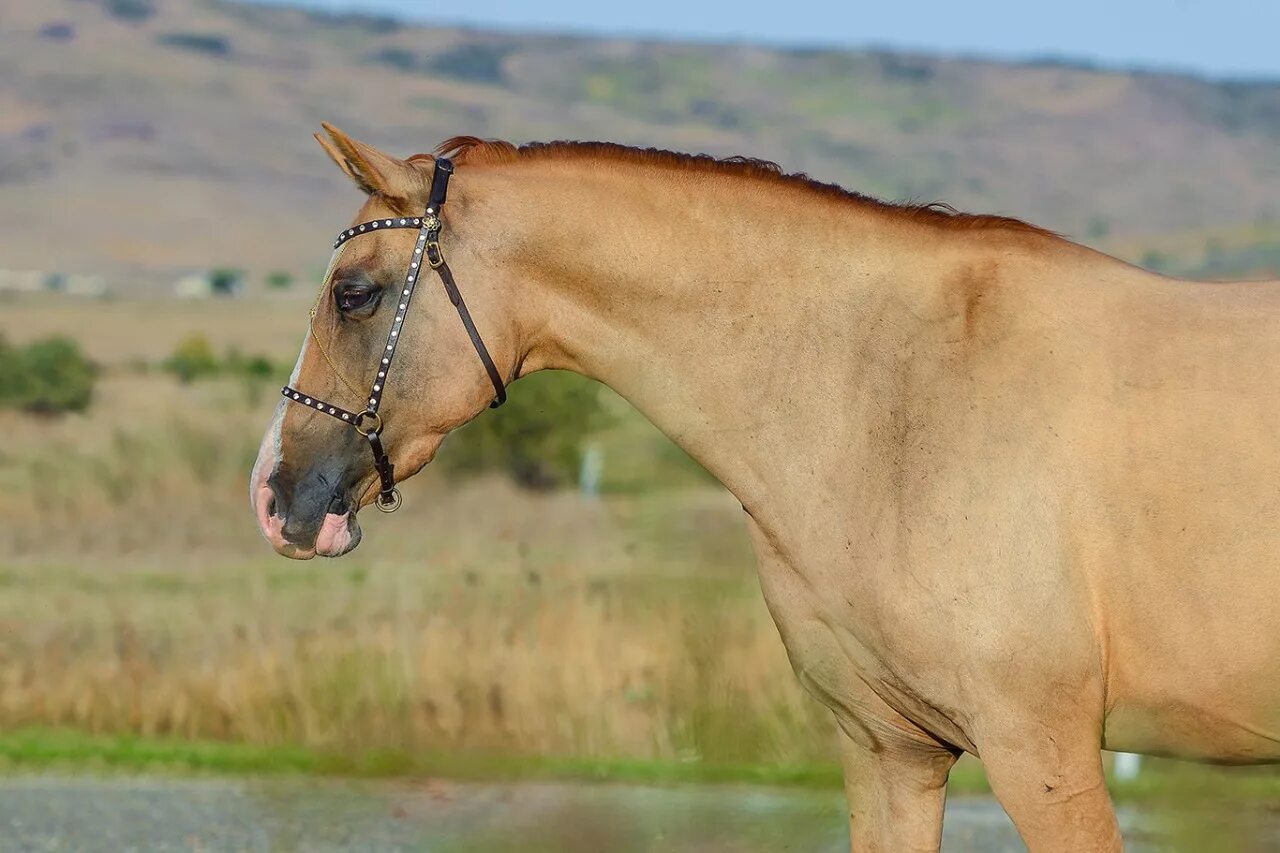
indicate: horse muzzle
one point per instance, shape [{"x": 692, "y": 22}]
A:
[{"x": 304, "y": 532}]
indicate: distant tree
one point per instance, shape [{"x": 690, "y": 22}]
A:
[
  {"x": 248, "y": 366},
  {"x": 1099, "y": 228},
  {"x": 225, "y": 281},
  {"x": 1216, "y": 258},
  {"x": 13, "y": 376},
  {"x": 473, "y": 62},
  {"x": 1156, "y": 260},
  {"x": 211, "y": 44},
  {"x": 192, "y": 359},
  {"x": 279, "y": 280},
  {"x": 130, "y": 10},
  {"x": 537, "y": 437},
  {"x": 46, "y": 377},
  {"x": 897, "y": 67},
  {"x": 58, "y": 31},
  {"x": 399, "y": 58},
  {"x": 252, "y": 371},
  {"x": 377, "y": 24}
]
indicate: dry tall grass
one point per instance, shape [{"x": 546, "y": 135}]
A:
[{"x": 137, "y": 597}]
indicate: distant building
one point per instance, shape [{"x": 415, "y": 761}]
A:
[
  {"x": 194, "y": 286},
  {"x": 22, "y": 281},
  {"x": 76, "y": 284},
  {"x": 203, "y": 285},
  {"x": 84, "y": 284},
  {"x": 35, "y": 281}
]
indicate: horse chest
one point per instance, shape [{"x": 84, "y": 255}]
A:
[{"x": 858, "y": 660}]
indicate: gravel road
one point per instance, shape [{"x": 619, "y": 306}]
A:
[{"x": 112, "y": 813}]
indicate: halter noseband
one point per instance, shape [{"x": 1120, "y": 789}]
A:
[{"x": 368, "y": 422}]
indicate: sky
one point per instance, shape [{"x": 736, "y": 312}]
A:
[{"x": 1216, "y": 38}]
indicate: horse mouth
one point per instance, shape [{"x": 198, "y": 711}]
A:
[{"x": 339, "y": 534}]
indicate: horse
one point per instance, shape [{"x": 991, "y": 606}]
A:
[{"x": 1010, "y": 496}]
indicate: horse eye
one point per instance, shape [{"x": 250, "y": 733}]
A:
[{"x": 351, "y": 298}]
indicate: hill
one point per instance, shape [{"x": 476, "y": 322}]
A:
[{"x": 139, "y": 138}]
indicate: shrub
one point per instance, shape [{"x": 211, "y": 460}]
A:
[
  {"x": 253, "y": 371},
  {"x": 225, "y": 281},
  {"x": 47, "y": 377},
  {"x": 255, "y": 367},
  {"x": 279, "y": 280},
  {"x": 130, "y": 10},
  {"x": 537, "y": 437},
  {"x": 474, "y": 63},
  {"x": 1156, "y": 261},
  {"x": 399, "y": 58},
  {"x": 58, "y": 31},
  {"x": 192, "y": 359},
  {"x": 376, "y": 24},
  {"x": 211, "y": 44},
  {"x": 896, "y": 67},
  {"x": 1099, "y": 228}
]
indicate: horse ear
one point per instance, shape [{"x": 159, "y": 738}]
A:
[{"x": 373, "y": 171}]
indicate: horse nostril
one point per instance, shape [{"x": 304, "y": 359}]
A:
[{"x": 276, "y": 507}]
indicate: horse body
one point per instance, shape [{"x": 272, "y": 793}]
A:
[
  {"x": 1176, "y": 519},
  {"x": 1009, "y": 496}
]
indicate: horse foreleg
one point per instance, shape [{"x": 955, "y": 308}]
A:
[
  {"x": 896, "y": 789},
  {"x": 1050, "y": 781}
]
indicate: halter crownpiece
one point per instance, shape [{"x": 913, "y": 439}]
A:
[{"x": 368, "y": 422}]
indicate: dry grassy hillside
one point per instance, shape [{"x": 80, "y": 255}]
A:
[{"x": 142, "y": 137}]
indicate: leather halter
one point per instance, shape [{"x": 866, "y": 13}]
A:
[{"x": 368, "y": 422}]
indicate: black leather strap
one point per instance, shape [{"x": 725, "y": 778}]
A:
[
  {"x": 429, "y": 231},
  {"x": 319, "y": 405},
  {"x": 439, "y": 184},
  {"x": 455, "y": 296},
  {"x": 386, "y": 470},
  {"x": 377, "y": 225}
]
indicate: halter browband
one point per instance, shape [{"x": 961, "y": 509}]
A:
[{"x": 368, "y": 422}]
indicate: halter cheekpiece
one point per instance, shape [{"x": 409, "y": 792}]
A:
[{"x": 368, "y": 422}]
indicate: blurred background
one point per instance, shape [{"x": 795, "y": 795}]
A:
[{"x": 565, "y": 595}]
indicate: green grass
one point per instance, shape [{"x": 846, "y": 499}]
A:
[
  {"x": 44, "y": 748},
  {"x": 41, "y": 748}
]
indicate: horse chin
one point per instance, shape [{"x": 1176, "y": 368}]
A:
[{"x": 339, "y": 534}]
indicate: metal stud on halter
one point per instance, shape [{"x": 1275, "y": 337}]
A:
[{"x": 368, "y": 422}]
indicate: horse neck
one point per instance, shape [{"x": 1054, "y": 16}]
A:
[{"x": 747, "y": 319}]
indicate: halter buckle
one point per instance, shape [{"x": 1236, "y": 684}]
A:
[
  {"x": 435, "y": 256},
  {"x": 388, "y": 501},
  {"x": 358, "y": 423}
]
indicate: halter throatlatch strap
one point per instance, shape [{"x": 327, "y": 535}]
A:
[{"x": 427, "y": 248}]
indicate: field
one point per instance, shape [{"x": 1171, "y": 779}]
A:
[{"x": 139, "y": 599}]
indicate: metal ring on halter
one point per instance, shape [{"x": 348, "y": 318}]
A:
[
  {"x": 388, "y": 501},
  {"x": 359, "y": 421}
]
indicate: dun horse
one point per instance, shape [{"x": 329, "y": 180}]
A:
[{"x": 1010, "y": 496}]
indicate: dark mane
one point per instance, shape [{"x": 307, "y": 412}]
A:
[{"x": 472, "y": 149}]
